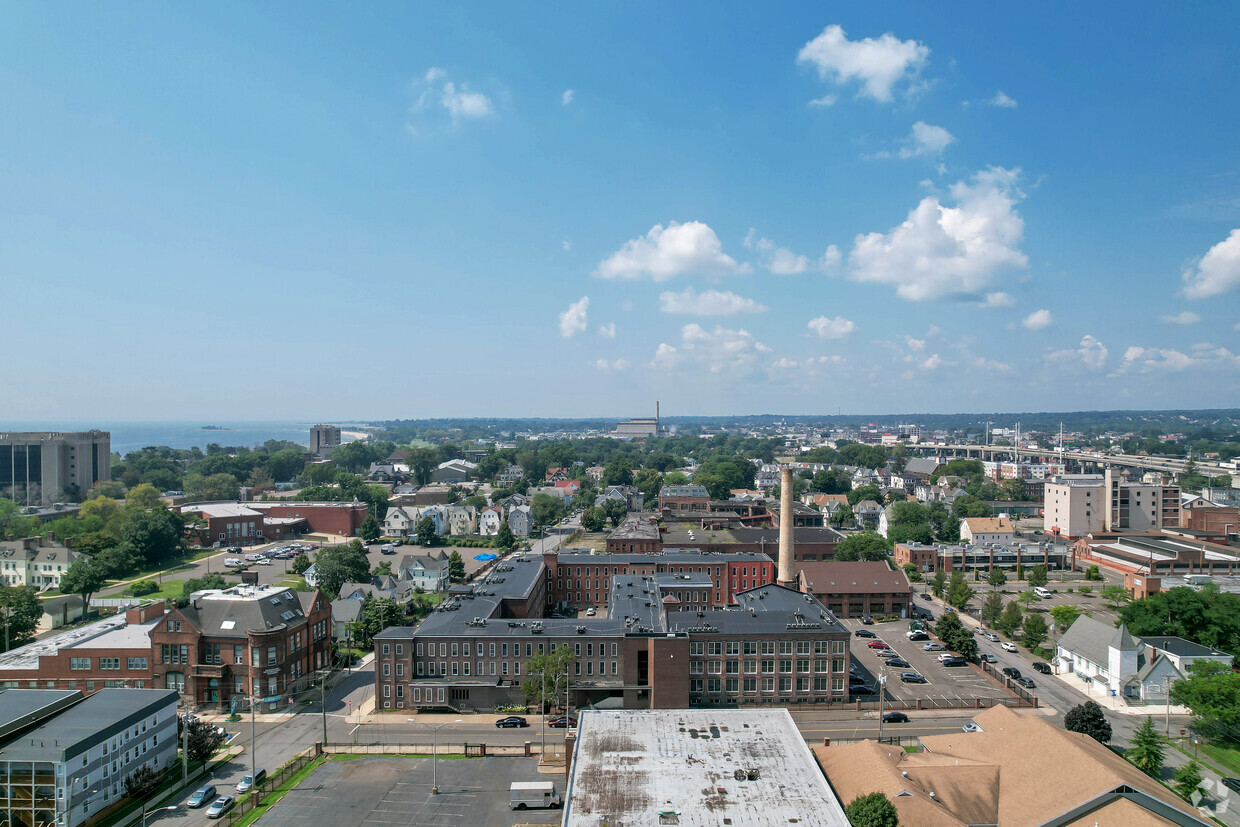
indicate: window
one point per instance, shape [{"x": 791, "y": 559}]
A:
[
  {"x": 136, "y": 663},
  {"x": 238, "y": 654},
  {"x": 387, "y": 650},
  {"x": 79, "y": 663},
  {"x": 400, "y": 648},
  {"x": 785, "y": 665},
  {"x": 387, "y": 670}
]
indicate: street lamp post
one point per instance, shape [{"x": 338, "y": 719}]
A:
[
  {"x": 146, "y": 814},
  {"x": 434, "y": 749}
]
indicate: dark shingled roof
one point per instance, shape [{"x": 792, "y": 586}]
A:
[{"x": 90, "y": 722}]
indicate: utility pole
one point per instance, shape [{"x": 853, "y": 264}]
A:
[
  {"x": 882, "y": 688},
  {"x": 253, "y": 758},
  {"x": 542, "y": 708},
  {"x": 323, "y": 704}
]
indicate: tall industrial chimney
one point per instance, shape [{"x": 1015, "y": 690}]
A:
[{"x": 786, "y": 538}]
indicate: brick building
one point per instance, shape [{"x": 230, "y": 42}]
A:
[
  {"x": 260, "y": 522},
  {"x": 264, "y": 641},
  {"x": 683, "y": 499},
  {"x": 689, "y": 576},
  {"x": 984, "y": 557},
  {"x": 643, "y": 650},
  {"x": 855, "y": 588}
]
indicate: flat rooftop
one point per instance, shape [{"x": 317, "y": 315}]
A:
[
  {"x": 27, "y": 657},
  {"x": 695, "y": 768}
]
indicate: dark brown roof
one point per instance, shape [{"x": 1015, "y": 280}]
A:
[{"x": 848, "y": 577}]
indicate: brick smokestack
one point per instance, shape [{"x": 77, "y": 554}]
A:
[{"x": 786, "y": 539}]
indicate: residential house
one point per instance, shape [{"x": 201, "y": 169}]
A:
[
  {"x": 344, "y": 612},
  {"x": 428, "y": 572},
  {"x": 921, "y": 467},
  {"x": 632, "y": 498},
  {"x": 987, "y": 530},
  {"x": 596, "y": 472},
  {"x": 35, "y": 561},
  {"x": 439, "y": 518},
  {"x": 520, "y": 520},
  {"x": 885, "y": 519},
  {"x": 462, "y": 520},
  {"x": 555, "y": 475},
  {"x": 569, "y": 487},
  {"x": 508, "y": 476},
  {"x": 863, "y": 477},
  {"x": 867, "y": 513},
  {"x": 490, "y": 519},
  {"x": 401, "y": 521},
  {"x": 60, "y": 611},
  {"x": 1019, "y": 770},
  {"x": 381, "y": 586}
]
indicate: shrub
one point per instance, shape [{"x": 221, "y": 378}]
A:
[{"x": 142, "y": 587}]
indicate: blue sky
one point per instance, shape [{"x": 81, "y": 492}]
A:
[{"x": 272, "y": 211}]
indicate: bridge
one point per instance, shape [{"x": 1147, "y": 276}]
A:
[{"x": 996, "y": 452}]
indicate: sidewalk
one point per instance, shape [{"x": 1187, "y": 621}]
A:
[
  {"x": 1114, "y": 703},
  {"x": 295, "y": 704}
]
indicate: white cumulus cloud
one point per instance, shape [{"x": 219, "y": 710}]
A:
[
  {"x": 1151, "y": 359},
  {"x": 1091, "y": 352},
  {"x": 667, "y": 252},
  {"x": 1184, "y": 317},
  {"x": 573, "y": 320},
  {"x": 949, "y": 252},
  {"x": 616, "y": 365},
  {"x": 717, "y": 350},
  {"x": 878, "y": 64},
  {"x": 1217, "y": 272},
  {"x": 837, "y": 328},
  {"x": 935, "y": 361},
  {"x": 1002, "y": 101},
  {"x": 926, "y": 139},
  {"x": 607, "y": 331},
  {"x": 1038, "y": 320},
  {"x": 824, "y": 102},
  {"x": 458, "y": 100},
  {"x": 781, "y": 261},
  {"x": 689, "y": 302},
  {"x": 567, "y": 97}
]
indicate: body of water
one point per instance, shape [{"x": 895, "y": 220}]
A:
[{"x": 130, "y": 436}]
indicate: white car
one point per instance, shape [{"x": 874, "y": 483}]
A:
[
  {"x": 971, "y": 727},
  {"x": 1008, "y": 646},
  {"x": 263, "y": 562}
]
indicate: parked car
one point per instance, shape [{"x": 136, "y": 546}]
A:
[
  {"x": 864, "y": 633},
  {"x": 986, "y": 657},
  {"x": 861, "y": 689},
  {"x": 512, "y": 721},
  {"x": 934, "y": 647},
  {"x": 946, "y": 656},
  {"x": 1232, "y": 783},
  {"x": 947, "y": 609},
  {"x": 1027, "y": 683},
  {"x": 925, "y": 596},
  {"x": 590, "y": 612},
  {"x": 955, "y": 661},
  {"x": 991, "y": 636},
  {"x": 911, "y": 677},
  {"x": 971, "y": 727},
  {"x": 895, "y": 718},
  {"x": 263, "y": 562},
  {"x": 918, "y": 636},
  {"x": 1011, "y": 672},
  {"x": 222, "y": 805},
  {"x": 249, "y": 781},
  {"x": 898, "y": 663},
  {"x": 867, "y": 620},
  {"x": 887, "y": 653},
  {"x": 877, "y": 644},
  {"x": 562, "y": 722},
  {"x": 201, "y": 796},
  {"x": 1009, "y": 646},
  {"x": 1044, "y": 668}
]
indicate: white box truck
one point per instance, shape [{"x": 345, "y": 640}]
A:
[{"x": 528, "y": 794}]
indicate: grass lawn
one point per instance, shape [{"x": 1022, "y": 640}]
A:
[
  {"x": 168, "y": 590},
  {"x": 278, "y": 793},
  {"x": 1224, "y": 754}
]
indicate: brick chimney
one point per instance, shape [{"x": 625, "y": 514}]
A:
[{"x": 787, "y": 541}]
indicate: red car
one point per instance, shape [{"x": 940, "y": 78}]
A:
[
  {"x": 877, "y": 644},
  {"x": 563, "y": 722}
]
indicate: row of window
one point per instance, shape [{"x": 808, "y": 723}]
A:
[
  {"x": 751, "y": 647},
  {"x": 106, "y": 664},
  {"x": 483, "y": 668},
  {"x": 733, "y": 667},
  {"x": 714, "y": 686},
  {"x": 463, "y": 649}
]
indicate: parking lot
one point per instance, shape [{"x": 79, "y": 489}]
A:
[
  {"x": 943, "y": 683},
  {"x": 397, "y": 791}
]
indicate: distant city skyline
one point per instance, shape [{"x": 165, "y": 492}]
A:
[{"x": 311, "y": 212}]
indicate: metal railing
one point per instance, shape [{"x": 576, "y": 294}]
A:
[{"x": 257, "y": 796}]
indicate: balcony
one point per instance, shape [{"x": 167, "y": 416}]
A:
[{"x": 208, "y": 670}]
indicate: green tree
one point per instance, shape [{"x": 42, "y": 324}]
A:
[
  {"x": 20, "y": 606},
  {"x": 997, "y": 578},
  {"x": 1146, "y": 751},
  {"x": 992, "y": 608},
  {"x": 144, "y": 496},
  {"x": 1211, "y": 690},
  {"x": 214, "y": 580},
  {"x": 1115, "y": 595},
  {"x": 384, "y": 568},
  {"x": 300, "y": 563},
  {"x": 593, "y": 519},
  {"x": 619, "y": 471},
  {"x": 869, "y": 545},
  {"x": 955, "y": 636},
  {"x": 369, "y": 529},
  {"x": 213, "y": 487},
  {"x": 1033, "y": 631},
  {"x": 939, "y": 583},
  {"x": 154, "y": 535},
  {"x": 547, "y": 676},
  {"x": 1088, "y": 718},
  {"x": 546, "y": 509},
  {"x": 1065, "y": 615},
  {"x": 336, "y": 565},
  {"x": 959, "y": 592},
  {"x": 616, "y": 511},
  {"x": 865, "y": 492},
  {"x": 1188, "y": 780},
  {"x": 84, "y": 577},
  {"x": 202, "y": 740},
  {"x": 1092, "y": 573},
  {"x": 1028, "y": 597},
  {"x": 456, "y": 567},
  {"x": 378, "y": 614},
  {"x": 1206, "y": 616},
  {"x": 1038, "y": 576},
  {"x": 843, "y": 516},
  {"x": 143, "y": 783},
  {"x": 504, "y": 538},
  {"x": 422, "y": 463},
  {"x": 873, "y": 810},
  {"x": 1011, "y": 619},
  {"x": 426, "y": 532}
]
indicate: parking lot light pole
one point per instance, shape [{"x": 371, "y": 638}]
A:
[
  {"x": 434, "y": 749},
  {"x": 882, "y": 686},
  {"x": 147, "y": 813}
]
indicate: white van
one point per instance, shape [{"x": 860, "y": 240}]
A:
[
  {"x": 1042, "y": 592},
  {"x": 525, "y": 794},
  {"x": 253, "y": 558},
  {"x": 232, "y": 562}
]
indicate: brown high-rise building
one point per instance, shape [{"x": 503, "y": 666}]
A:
[
  {"x": 323, "y": 440},
  {"x": 42, "y": 468}
]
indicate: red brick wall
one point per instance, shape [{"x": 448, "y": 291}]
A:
[{"x": 343, "y": 519}]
